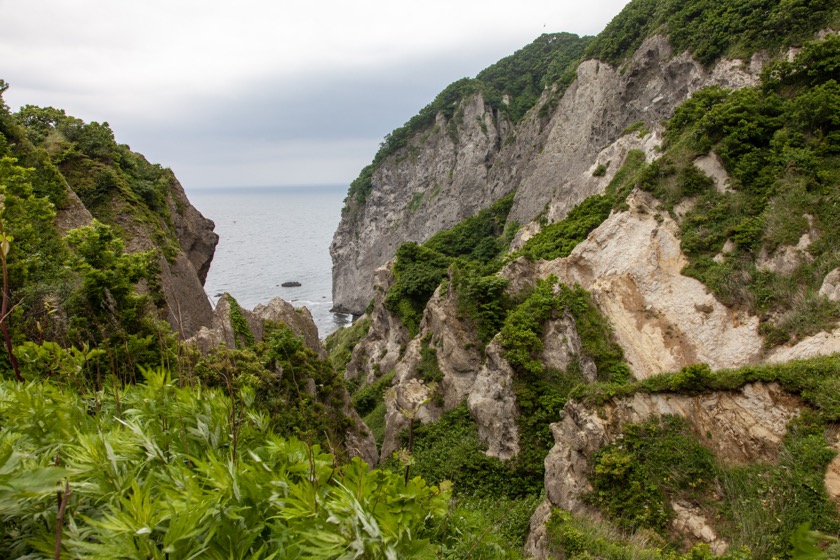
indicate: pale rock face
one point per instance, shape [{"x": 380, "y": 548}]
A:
[
  {"x": 492, "y": 405},
  {"x": 786, "y": 259},
  {"x": 820, "y": 344},
  {"x": 712, "y": 166},
  {"x": 739, "y": 427},
  {"x": 585, "y": 184},
  {"x": 73, "y": 215},
  {"x": 404, "y": 402},
  {"x": 689, "y": 521},
  {"x": 562, "y": 346},
  {"x": 437, "y": 181},
  {"x": 486, "y": 388},
  {"x": 220, "y": 332},
  {"x": 632, "y": 265},
  {"x": 378, "y": 352},
  {"x": 831, "y": 285},
  {"x": 456, "y": 344},
  {"x": 537, "y": 544},
  {"x": 832, "y": 476},
  {"x": 434, "y": 182}
]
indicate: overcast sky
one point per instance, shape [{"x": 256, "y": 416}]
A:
[{"x": 255, "y": 92}]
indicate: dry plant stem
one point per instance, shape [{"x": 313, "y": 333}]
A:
[
  {"x": 59, "y": 522},
  {"x": 5, "y": 307},
  {"x": 484, "y": 534}
]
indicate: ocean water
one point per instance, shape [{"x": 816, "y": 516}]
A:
[{"x": 268, "y": 236}]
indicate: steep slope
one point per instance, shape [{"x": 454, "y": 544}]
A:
[
  {"x": 80, "y": 170},
  {"x": 652, "y": 247},
  {"x": 457, "y": 156}
]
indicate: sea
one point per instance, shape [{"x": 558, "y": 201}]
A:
[{"x": 272, "y": 235}]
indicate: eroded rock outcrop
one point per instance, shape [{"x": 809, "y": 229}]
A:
[
  {"x": 455, "y": 169},
  {"x": 739, "y": 427},
  {"x": 632, "y": 265},
  {"x": 383, "y": 345},
  {"x": 221, "y": 331}
]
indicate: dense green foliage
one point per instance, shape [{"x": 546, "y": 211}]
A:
[
  {"x": 80, "y": 289},
  {"x": 780, "y": 144},
  {"x": 473, "y": 244},
  {"x": 710, "y": 29},
  {"x": 242, "y": 335},
  {"x": 301, "y": 394},
  {"x": 158, "y": 471},
  {"x": 522, "y": 76},
  {"x": 541, "y": 393},
  {"x": 560, "y": 238},
  {"x": 761, "y": 506},
  {"x": 634, "y": 478}
]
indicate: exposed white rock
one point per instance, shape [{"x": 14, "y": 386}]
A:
[
  {"x": 457, "y": 347},
  {"x": 820, "y": 344},
  {"x": 220, "y": 332},
  {"x": 832, "y": 475},
  {"x": 378, "y": 352},
  {"x": 689, "y": 521},
  {"x": 787, "y": 258},
  {"x": 492, "y": 405},
  {"x": 632, "y": 265},
  {"x": 831, "y": 285},
  {"x": 712, "y": 166},
  {"x": 404, "y": 402},
  {"x": 562, "y": 347}
]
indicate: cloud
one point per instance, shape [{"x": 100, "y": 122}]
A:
[{"x": 210, "y": 87}]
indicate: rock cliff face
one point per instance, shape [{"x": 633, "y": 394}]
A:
[
  {"x": 182, "y": 276},
  {"x": 457, "y": 168},
  {"x": 220, "y": 331},
  {"x": 739, "y": 427}
]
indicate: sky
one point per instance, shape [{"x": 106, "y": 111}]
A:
[{"x": 257, "y": 92}]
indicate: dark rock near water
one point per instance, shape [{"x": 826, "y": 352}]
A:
[{"x": 291, "y": 284}]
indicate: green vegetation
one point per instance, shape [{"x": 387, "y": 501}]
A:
[
  {"x": 242, "y": 335},
  {"x": 155, "y": 470},
  {"x": 474, "y": 244},
  {"x": 80, "y": 289},
  {"x": 639, "y": 128},
  {"x": 560, "y": 238},
  {"x": 710, "y": 30},
  {"x": 579, "y": 537},
  {"x": 522, "y": 77},
  {"x": 760, "y": 506},
  {"x": 542, "y": 393},
  {"x": 428, "y": 369},
  {"x": 369, "y": 402},
  {"x": 634, "y": 478},
  {"x": 780, "y": 144},
  {"x": 300, "y": 393},
  {"x": 340, "y": 344}
]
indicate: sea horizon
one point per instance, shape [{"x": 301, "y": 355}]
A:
[{"x": 271, "y": 235}]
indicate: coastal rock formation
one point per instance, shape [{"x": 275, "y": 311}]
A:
[
  {"x": 385, "y": 341},
  {"x": 455, "y": 169},
  {"x": 221, "y": 331}
]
